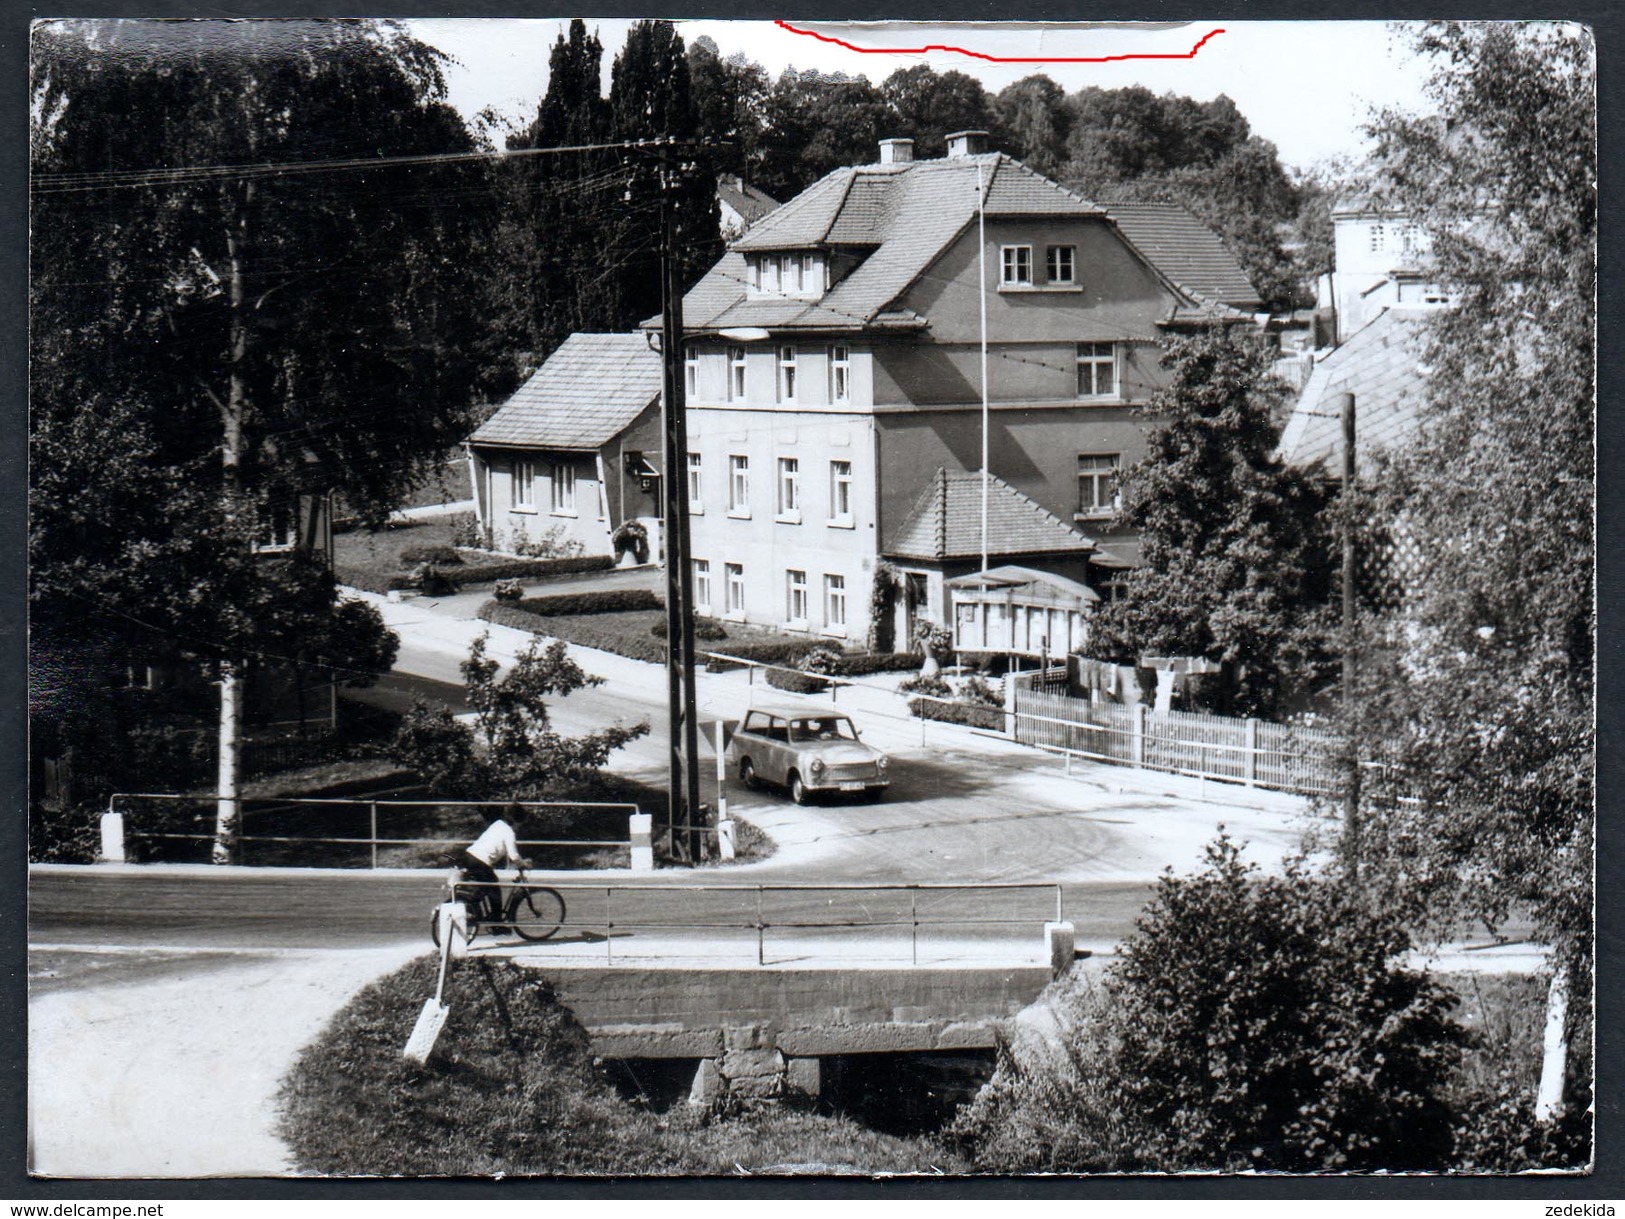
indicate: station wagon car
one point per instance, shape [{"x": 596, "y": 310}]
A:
[{"x": 808, "y": 750}]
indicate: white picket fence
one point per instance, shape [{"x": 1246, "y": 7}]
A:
[{"x": 1252, "y": 752}]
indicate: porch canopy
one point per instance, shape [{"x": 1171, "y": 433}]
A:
[{"x": 1020, "y": 611}]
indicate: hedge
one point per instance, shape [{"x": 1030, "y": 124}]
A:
[
  {"x": 973, "y": 715},
  {"x": 768, "y": 652},
  {"x": 859, "y": 664},
  {"x": 795, "y": 681},
  {"x": 577, "y": 630},
  {"x": 478, "y": 567},
  {"x": 707, "y": 629},
  {"x": 609, "y": 601}
]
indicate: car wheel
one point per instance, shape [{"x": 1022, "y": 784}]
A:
[
  {"x": 875, "y": 794},
  {"x": 798, "y": 790},
  {"x": 747, "y": 773}
]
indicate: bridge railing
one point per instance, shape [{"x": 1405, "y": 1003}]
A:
[
  {"x": 126, "y": 824},
  {"x": 617, "y": 910}
]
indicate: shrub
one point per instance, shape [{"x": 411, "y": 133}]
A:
[
  {"x": 795, "y": 681},
  {"x": 508, "y": 590},
  {"x": 1249, "y": 1024},
  {"x": 609, "y": 601},
  {"x": 413, "y": 555}
]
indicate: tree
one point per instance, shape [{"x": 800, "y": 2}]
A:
[
  {"x": 1250, "y": 1023},
  {"x": 1236, "y": 568},
  {"x": 1030, "y": 121},
  {"x": 730, "y": 96},
  {"x": 561, "y": 226},
  {"x": 212, "y": 345},
  {"x": 818, "y": 122},
  {"x": 928, "y": 107},
  {"x": 510, "y": 752},
  {"x": 1483, "y": 691},
  {"x": 1130, "y": 144},
  {"x": 649, "y": 98}
]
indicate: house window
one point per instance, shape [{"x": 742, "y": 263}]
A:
[
  {"x": 736, "y": 374},
  {"x": 278, "y": 527},
  {"x": 835, "y": 601},
  {"x": 691, "y": 371},
  {"x": 1016, "y": 264},
  {"x": 787, "y": 374},
  {"x": 735, "y": 575},
  {"x": 840, "y": 492},
  {"x": 524, "y": 486},
  {"x": 696, "y": 501},
  {"x": 1097, "y": 483},
  {"x": 1378, "y": 238},
  {"x": 840, "y": 373},
  {"x": 1097, "y": 370},
  {"x": 795, "y": 596},
  {"x": 702, "y": 585},
  {"x": 770, "y": 273},
  {"x": 789, "y": 489},
  {"x": 738, "y": 485},
  {"x": 563, "y": 478},
  {"x": 792, "y": 273},
  {"x": 1058, "y": 260}
]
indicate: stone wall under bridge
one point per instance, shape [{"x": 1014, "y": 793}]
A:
[{"x": 762, "y": 1034}]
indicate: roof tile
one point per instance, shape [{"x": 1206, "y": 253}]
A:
[
  {"x": 1186, "y": 251},
  {"x": 946, "y": 522},
  {"x": 592, "y": 387},
  {"x": 1378, "y": 365}
]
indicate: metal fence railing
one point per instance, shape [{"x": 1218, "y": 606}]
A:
[
  {"x": 1251, "y": 752},
  {"x": 136, "y": 818},
  {"x": 847, "y": 909}
]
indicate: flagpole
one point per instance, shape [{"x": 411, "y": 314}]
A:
[{"x": 981, "y": 261}]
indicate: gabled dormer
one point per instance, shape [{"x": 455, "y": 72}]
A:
[{"x": 787, "y": 274}]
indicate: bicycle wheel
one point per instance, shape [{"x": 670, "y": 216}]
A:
[
  {"x": 538, "y": 913},
  {"x": 434, "y": 927}
]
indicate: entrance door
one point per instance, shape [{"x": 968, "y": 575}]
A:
[{"x": 916, "y": 596}]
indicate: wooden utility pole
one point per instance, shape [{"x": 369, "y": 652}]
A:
[
  {"x": 1351, "y": 788},
  {"x": 228, "y": 803},
  {"x": 682, "y": 828}
]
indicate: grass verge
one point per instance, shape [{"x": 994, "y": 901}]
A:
[{"x": 513, "y": 1089}]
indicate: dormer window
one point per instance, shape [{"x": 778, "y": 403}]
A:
[{"x": 799, "y": 273}]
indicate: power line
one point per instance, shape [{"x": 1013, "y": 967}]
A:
[{"x": 46, "y": 184}]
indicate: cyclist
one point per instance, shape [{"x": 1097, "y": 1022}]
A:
[{"x": 498, "y": 844}]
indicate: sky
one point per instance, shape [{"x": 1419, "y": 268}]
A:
[{"x": 1306, "y": 86}]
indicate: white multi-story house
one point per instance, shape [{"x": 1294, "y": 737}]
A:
[{"x": 833, "y": 374}]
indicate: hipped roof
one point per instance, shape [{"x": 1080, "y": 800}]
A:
[{"x": 946, "y": 522}]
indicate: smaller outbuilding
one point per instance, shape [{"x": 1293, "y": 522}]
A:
[
  {"x": 576, "y": 451},
  {"x": 1017, "y": 611}
]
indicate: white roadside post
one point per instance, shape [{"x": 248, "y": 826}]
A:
[
  {"x": 725, "y": 825},
  {"x": 112, "y": 838},
  {"x": 640, "y": 830}
]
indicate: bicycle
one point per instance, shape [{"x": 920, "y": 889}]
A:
[{"x": 532, "y": 912}]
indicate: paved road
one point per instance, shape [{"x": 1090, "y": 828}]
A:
[{"x": 240, "y": 910}]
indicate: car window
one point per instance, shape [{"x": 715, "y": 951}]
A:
[
  {"x": 755, "y": 722},
  {"x": 780, "y": 731},
  {"x": 823, "y": 728}
]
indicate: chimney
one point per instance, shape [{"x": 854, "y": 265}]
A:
[
  {"x": 896, "y": 152},
  {"x": 967, "y": 143}
]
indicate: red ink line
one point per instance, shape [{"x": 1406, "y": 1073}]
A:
[{"x": 1191, "y": 54}]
